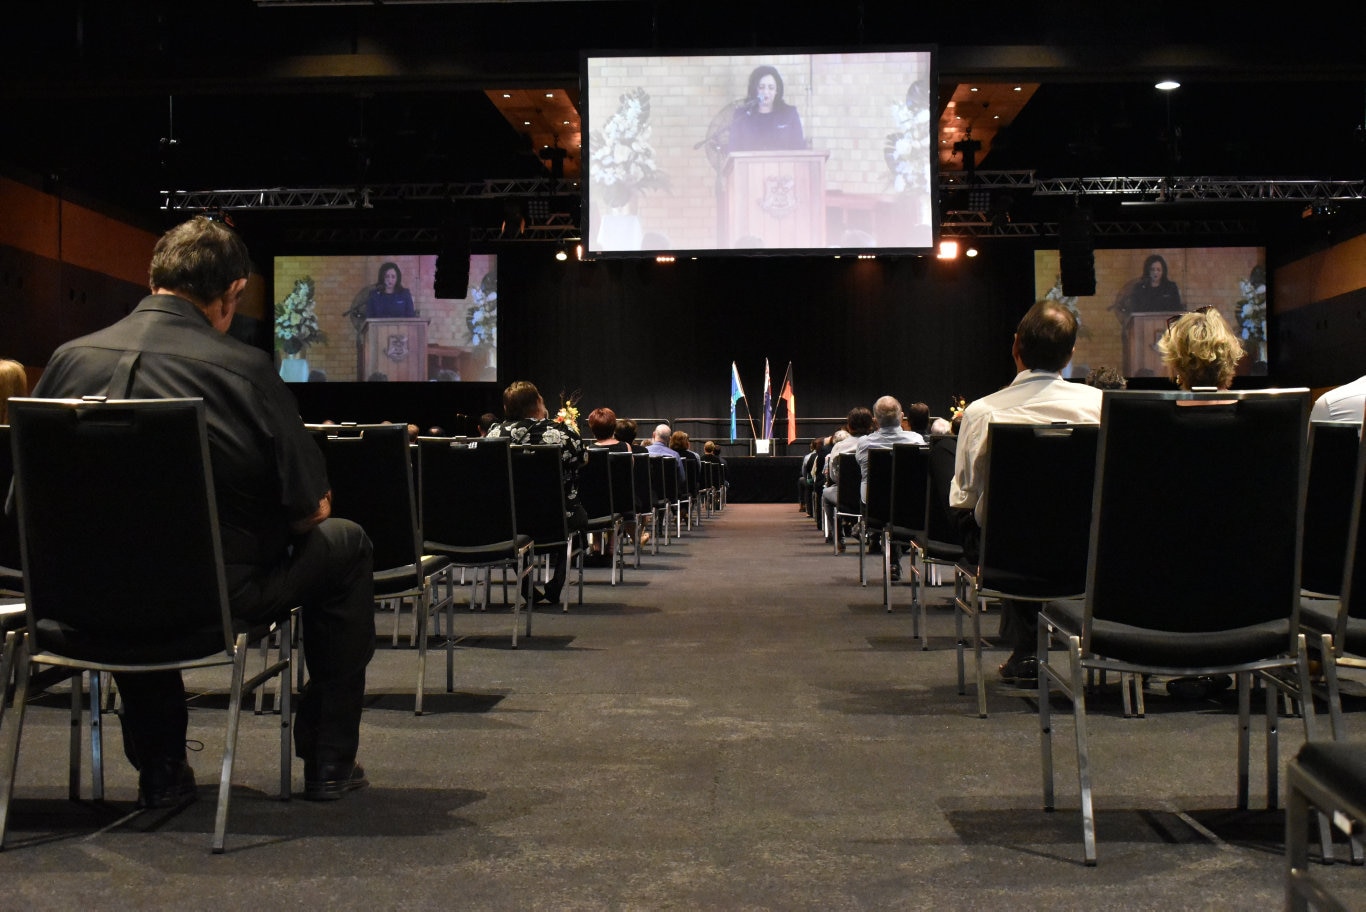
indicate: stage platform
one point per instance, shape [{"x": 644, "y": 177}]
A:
[{"x": 762, "y": 479}]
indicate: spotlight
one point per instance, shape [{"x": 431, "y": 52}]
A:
[
  {"x": 948, "y": 250},
  {"x": 971, "y": 251},
  {"x": 1167, "y": 85},
  {"x": 561, "y": 254}
]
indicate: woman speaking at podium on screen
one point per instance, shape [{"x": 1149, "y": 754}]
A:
[
  {"x": 765, "y": 122},
  {"x": 388, "y": 297}
]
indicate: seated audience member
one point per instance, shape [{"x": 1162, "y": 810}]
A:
[
  {"x": 804, "y": 471},
  {"x": 681, "y": 443},
  {"x": 282, "y": 549},
  {"x": 13, "y": 382},
  {"x": 939, "y": 427},
  {"x": 917, "y": 419},
  {"x": 626, "y": 433},
  {"x": 1043, "y": 345},
  {"x": 602, "y": 422},
  {"x": 887, "y": 416},
  {"x": 528, "y": 423},
  {"x": 858, "y": 424},
  {"x": 1345, "y": 403},
  {"x": 712, "y": 453},
  {"x": 1104, "y": 377},
  {"x": 659, "y": 446},
  {"x": 486, "y": 421}
]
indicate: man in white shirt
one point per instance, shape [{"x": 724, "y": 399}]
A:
[
  {"x": 1345, "y": 403},
  {"x": 1043, "y": 345}
]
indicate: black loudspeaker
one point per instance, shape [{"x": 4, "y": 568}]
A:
[
  {"x": 452, "y": 277},
  {"x": 1076, "y": 258}
]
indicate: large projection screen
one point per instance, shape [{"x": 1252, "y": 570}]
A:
[{"x": 693, "y": 154}]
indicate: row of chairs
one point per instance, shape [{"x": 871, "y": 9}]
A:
[{"x": 1179, "y": 537}]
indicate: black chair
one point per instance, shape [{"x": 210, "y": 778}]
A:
[
  {"x": 1035, "y": 527},
  {"x": 877, "y": 510},
  {"x": 692, "y": 470},
  {"x": 621, "y": 470},
  {"x": 647, "y": 504},
  {"x": 538, "y": 496},
  {"x": 1335, "y": 617},
  {"x": 942, "y": 545},
  {"x": 1330, "y": 778},
  {"x": 910, "y": 472},
  {"x": 11, "y": 576},
  {"x": 1218, "y": 479},
  {"x": 468, "y": 517},
  {"x": 151, "y": 592},
  {"x": 848, "y": 506},
  {"x": 596, "y": 496},
  {"x": 370, "y": 470},
  {"x": 676, "y": 492},
  {"x": 660, "y": 469}
]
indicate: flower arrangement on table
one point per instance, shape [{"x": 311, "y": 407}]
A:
[
  {"x": 621, "y": 158},
  {"x": 1250, "y": 309},
  {"x": 296, "y": 319},
  {"x": 568, "y": 414},
  {"x": 909, "y": 148},
  {"x": 956, "y": 406},
  {"x": 482, "y": 317}
]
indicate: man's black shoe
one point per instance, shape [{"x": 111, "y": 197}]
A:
[
  {"x": 166, "y": 783},
  {"x": 330, "y": 781},
  {"x": 1020, "y": 670}
]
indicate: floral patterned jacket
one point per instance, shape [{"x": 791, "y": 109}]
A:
[{"x": 529, "y": 432}]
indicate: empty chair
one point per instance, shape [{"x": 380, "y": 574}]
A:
[
  {"x": 660, "y": 469},
  {"x": 370, "y": 470},
  {"x": 1224, "y": 494},
  {"x": 910, "y": 470},
  {"x": 468, "y": 517},
  {"x": 1035, "y": 528},
  {"x": 848, "y": 507},
  {"x": 127, "y": 486},
  {"x": 676, "y": 493}
]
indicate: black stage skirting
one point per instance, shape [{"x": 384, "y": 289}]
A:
[{"x": 762, "y": 479}]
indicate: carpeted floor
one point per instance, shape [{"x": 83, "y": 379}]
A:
[{"x": 739, "y": 725}]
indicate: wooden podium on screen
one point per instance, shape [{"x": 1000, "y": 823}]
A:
[
  {"x": 1141, "y": 334},
  {"x": 772, "y": 199},
  {"x": 395, "y": 347}
]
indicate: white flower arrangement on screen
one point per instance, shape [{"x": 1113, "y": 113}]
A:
[
  {"x": 1068, "y": 301},
  {"x": 621, "y": 158},
  {"x": 909, "y": 148},
  {"x": 482, "y": 318},
  {"x": 296, "y": 319},
  {"x": 1251, "y": 307}
]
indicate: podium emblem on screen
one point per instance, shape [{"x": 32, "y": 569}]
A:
[
  {"x": 780, "y": 196},
  {"x": 397, "y": 350}
]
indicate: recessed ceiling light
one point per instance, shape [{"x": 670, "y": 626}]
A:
[
  {"x": 549, "y": 94},
  {"x": 507, "y": 94},
  {"x": 1167, "y": 85},
  {"x": 566, "y": 123},
  {"x": 1019, "y": 89},
  {"x": 973, "y": 89},
  {"x": 526, "y": 123}
]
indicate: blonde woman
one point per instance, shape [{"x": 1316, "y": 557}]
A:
[
  {"x": 1200, "y": 350},
  {"x": 13, "y": 382}
]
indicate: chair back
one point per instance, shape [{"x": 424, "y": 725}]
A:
[
  {"x": 692, "y": 469},
  {"x": 942, "y": 538},
  {"x": 466, "y": 492},
  {"x": 910, "y": 472},
  {"x": 659, "y": 485},
  {"x": 643, "y": 476},
  {"x": 595, "y": 485},
  {"x": 847, "y": 499},
  {"x": 621, "y": 472},
  {"x": 1333, "y": 448},
  {"x": 538, "y": 494},
  {"x": 1199, "y": 500},
  {"x": 125, "y": 486},
  {"x": 370, "y": 470},
  {"x": 10, "y": 559},
  {"x": 673, "y": 488},
  {"x": 1037, "y": 520},
  {"x": 1354, "y": 573},
  {"x": 878, "y": 497}
]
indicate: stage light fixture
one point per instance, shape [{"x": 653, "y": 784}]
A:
[
  {"x": 971, "y": 251},
  {"x": 1167, "y": 85},
  {"x": 561, "y": 254},
  {"x": 948, "y": 250}
]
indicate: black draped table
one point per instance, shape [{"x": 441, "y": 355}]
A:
[{"x": 762, "y": 479}]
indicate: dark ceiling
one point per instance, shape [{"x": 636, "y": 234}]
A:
[{"x": 287, "y": 94}]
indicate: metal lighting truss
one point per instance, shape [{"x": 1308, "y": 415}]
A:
[{"x": 560, "y": 226}]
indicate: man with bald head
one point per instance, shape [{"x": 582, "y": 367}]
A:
[
  {"x": 887, "y": 433},
  {"x": 659, "y": 446}
]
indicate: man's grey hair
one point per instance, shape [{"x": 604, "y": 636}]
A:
[
  {"x": 887, "y": 412},
  {"x": 662, "y": 432}
]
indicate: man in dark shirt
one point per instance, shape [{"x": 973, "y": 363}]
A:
[{"x": 281, "y": 549}]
